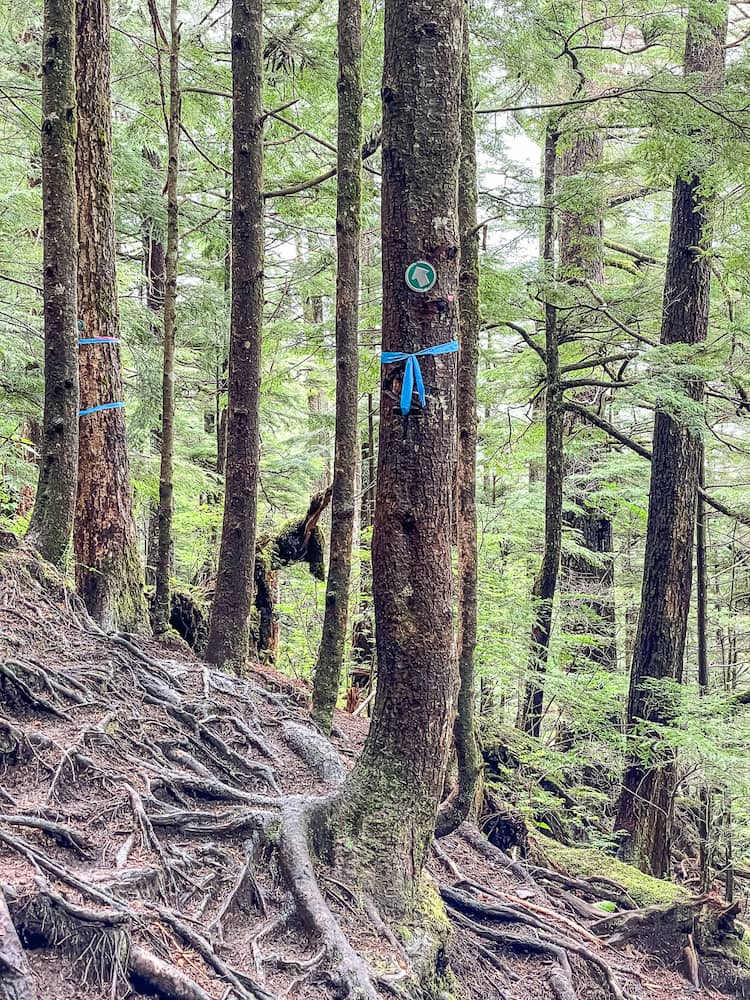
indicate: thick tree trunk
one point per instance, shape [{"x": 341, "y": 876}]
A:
[
  {"x": 390, "y": 799},
  {"x": 108, "y": 566},
  {"x": 54, "y": 507},
  {"x": 165, "y": 552},
  {"x": 229, "y": 636},
  {"x": 646, "y": 800},
  {"x": 545, "y": 584},
  {"x": 468, "y": 758},
  {"x": 348, "y": 208}
]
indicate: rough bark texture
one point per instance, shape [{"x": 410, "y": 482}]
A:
[
  {"x": 348, "y": 207},
  {"x": 16, "y": 980},
  {"x": 54, "y": 507},
  {"x": 229, "y": 636},
  {"x": 587, "y": 583},
  {"x": 545, "y": 584},
  {"x": 165, "y": 552},
  {"x": 108, "y": 568},
  {"x": 387, "y": 814},
  {"x": 468, "y": 758},
  {"x": 646, "y": 800}
]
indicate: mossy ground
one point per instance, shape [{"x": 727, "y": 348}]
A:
[{"x": 587, "y": 861}]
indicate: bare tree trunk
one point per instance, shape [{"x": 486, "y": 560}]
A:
[
  {"x": 390, "y": 800},
  {"x": 348, "y": 209},
  {"x": 109, "y": 576},
  {"x": 545, "y": 585},
  {"x": 165, "y": 554},
  {"x": 456, "y": 807},
  {"x": 646, "y": 800},
  {"x": 54, "y": 507},
  {"x": 229, "y": 636}
]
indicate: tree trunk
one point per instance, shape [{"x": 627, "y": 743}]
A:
[
  {"x": 109, "y": 576},
  {"x": 229, "y": 636},
  {"x": 165, "y": 554},
  {"x": 646, "y": 799},
  {"x": 458, "y": 804},
  {"x": 54, "y": 507},
  {"x": 543, "y": 591},
  {"x": 587, "y": 583},
  {"x": 16, "y": 980},
  {"x": 348, "y": 208},
  {"x": 390, "y": 799}
]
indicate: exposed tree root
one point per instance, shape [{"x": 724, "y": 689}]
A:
[
  {"x": 16, "y": 982},
  {"x": 296, "y": 864}
]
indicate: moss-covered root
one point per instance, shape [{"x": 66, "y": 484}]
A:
[{"x": 594, "y": 865}]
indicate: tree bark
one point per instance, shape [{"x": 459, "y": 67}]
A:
[
  {"x": 456, "y": 807},
  {"x": 109, "y": 576},
  {"x": 390, "y": 799},
  {"x": 16, "y": 980},
  {"x": 545, "y": 584},
  {"x": 52, "y": 518},
  {"x": 348, "y": 210},
  {"x": 587, "y": 584},
  {"x": 646, "y": 800},
  {"x": 229, "y": 636},
  {"x": 165, "y": 552}
]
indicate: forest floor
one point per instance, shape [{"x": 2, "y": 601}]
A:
[{"x": 133, "y": 861}]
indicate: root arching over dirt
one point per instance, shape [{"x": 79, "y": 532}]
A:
[{"x": 159, "y": 826}]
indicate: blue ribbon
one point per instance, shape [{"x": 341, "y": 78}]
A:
[
  {"x": 101, "y": 406},
  {"x": 412, "y": 371},
  {"x": 99, "y": 340}
]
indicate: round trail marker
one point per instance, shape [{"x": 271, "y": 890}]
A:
[{"x": 420, "y": 276}]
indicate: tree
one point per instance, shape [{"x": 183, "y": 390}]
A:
[
  {"x": 587, "y": 580},
  {"x": 54, "y": 507},
  {"x": 165, "y": 551},
  {"x": 646, "y": 800},
  {"x": 545, "y": 583},
  {"x": 468, "y": 758},
  {"x": 109, "y": 576},
  {"x": 229, "y": 635},
  {"x": 391, "y": 797},
  {"x": 348, "y": 210}
]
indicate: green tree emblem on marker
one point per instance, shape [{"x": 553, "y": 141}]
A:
[{"x": 421, "y": 276}]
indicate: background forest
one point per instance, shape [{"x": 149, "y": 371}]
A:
[{"x": 606, "y": 81}]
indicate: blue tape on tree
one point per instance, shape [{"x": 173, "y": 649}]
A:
[
  {"x": 99, "y": 340},
  {"x": 412, "y": 371},
  {"x": 101, "y": 406}
]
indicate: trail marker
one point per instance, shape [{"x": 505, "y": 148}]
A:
[{"x": 420, "y": 276}]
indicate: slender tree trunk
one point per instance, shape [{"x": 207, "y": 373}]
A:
[
  {"x": 348, "y": 209},
  {"x": 587, "y": 582},
  {"x": 54, "y": 507},
  {"x": 229, "y": 636},
  {"x": 165, "y": 553},
  {"x": 705, "y": 866},
  {"x": 109, "y": 576},
  {"x": 646, "y": 801},
  {"x": 468, "y": 758},
  {"x": 390, "y": 799},
  {"x": 543, "y": 592}
]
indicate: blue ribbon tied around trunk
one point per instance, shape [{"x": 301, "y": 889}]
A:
[{"x": 412, "y": 371}]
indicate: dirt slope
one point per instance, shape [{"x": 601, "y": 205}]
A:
[{"x": 136, "y": 786}]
